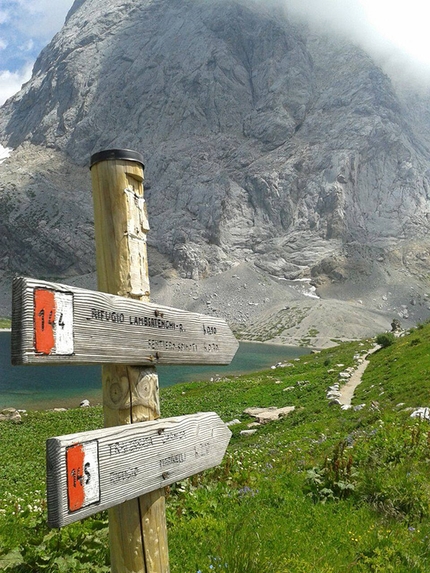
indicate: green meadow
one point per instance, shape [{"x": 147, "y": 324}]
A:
[
  {"x": 322, "y": 490},
  {"x": 5, "y": 323}
]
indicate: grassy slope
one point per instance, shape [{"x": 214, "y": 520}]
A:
[
  {"x": 323, "y": 490},
  {"x": 5, "y": 323}
]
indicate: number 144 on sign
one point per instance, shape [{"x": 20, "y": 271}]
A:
[{"x": 53, "y": 321}]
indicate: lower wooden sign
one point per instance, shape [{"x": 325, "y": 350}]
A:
[{"x": 92, "y": 471}]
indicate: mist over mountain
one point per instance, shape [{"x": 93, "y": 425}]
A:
[{"x": 271, "y": 146}]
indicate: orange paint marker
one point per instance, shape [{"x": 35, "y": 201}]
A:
[
  {"x": 75, "y": 458},
  {"x": 44, "y": 318}
]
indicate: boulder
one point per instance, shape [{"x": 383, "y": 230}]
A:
[
  {"x": 10, "y": 415},
  {"x": 266, "y": 415},
  {"x": 358, "y": 407},
  {"x": 247, "y": 432},
  {"x": 422, "y": 413},
  {"x": 233, "y": 422}
]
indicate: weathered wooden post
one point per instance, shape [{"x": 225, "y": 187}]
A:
[{"x": 138, "y": 535}]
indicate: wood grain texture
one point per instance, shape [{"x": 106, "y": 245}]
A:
[
  {"x": 137, "y": 528},
  {"x": 118, "y": 330},
  {"x": 121, "y": 225},
  {"x": 133, "y": 460}
]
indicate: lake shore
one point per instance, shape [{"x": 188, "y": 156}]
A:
[{"x": 47, "y": 387}]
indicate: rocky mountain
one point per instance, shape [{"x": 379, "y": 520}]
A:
[{"x": 268, "y": 144}]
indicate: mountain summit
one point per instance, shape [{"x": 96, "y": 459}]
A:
[{"x": 267, "y": 144}]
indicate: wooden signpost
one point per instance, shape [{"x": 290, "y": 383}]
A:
[
  {"x": 57, "y": 324},
  {"x": 95, "y": 470},
  {"x": 125, "y": 466}
]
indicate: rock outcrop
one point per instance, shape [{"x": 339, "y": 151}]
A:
[{"x": 266, "y": 415}]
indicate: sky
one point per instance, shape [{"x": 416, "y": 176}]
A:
[
  {"x": 394, "y": 30},
  {"x": 26, "y": 27}
]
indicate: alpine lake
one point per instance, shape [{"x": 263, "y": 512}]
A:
[{"x": 44, "y": 387}]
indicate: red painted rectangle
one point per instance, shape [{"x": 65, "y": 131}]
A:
[
  {"x": 75, "y": 458},
  {"x": 44, "y": 319}
]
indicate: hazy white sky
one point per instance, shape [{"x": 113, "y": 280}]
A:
[
  {"x": 384, "y": 26},
  {"x": 405, "y": 23}
]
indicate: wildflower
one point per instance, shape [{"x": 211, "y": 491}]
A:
[{"x": 247, "y": 491}]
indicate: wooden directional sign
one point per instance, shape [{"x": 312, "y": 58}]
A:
[
  {"x": 57, "y": 324},
  {"x": 95, "y": 470}
]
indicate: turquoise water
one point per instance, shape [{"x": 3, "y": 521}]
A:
[{"x": 38, "y": 387}]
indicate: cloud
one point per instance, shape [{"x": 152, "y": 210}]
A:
[
  {"x": 26, "y": 26},
  {"x": 27, "y": 46},
  {"x": 41, "y": 19},
  {"x": 387, "y": 30},
  {"x": 348, "y": 18},
  {"x": 11, "y": 82}
]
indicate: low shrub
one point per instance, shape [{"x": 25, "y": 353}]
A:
[
  {"x": 385, "y": 339},
  {"x": 335, "y": 479}
]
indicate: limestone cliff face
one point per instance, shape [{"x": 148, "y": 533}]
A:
[{"x": 263, "y": 141}]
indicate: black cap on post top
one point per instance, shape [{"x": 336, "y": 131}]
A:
[{"x": 124, "y": 154}]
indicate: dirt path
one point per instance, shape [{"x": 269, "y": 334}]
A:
[{"x": 348, "y": 389}]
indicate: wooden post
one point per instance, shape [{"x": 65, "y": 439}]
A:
[{"x": 137, "y": 528}]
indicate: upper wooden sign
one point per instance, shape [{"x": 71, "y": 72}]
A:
[
  {"x": 95, "y": 470},
  {"x": 57, "y": 324}
]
